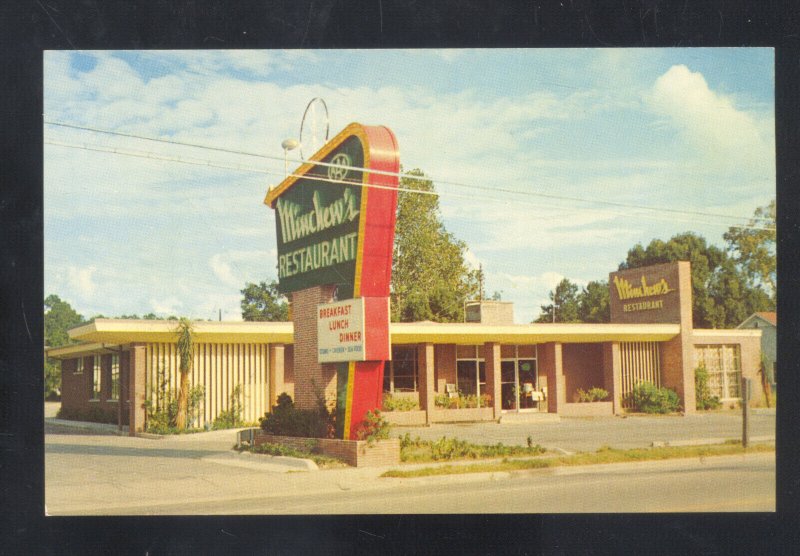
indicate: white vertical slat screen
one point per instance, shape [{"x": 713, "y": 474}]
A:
[
  {"x": 219, "y": 368},
  {"x": 641, "y": 362}
]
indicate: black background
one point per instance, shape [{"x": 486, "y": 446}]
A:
[{"x": 30, "y": 27}]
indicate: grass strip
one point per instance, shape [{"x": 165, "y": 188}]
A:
[
  {"x": 603, "y": 455},
  {"x": 323, "y": 462}
]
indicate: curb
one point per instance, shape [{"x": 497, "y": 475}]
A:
[
  {"x": 704, "y": 441},
  {"x": 262, "y": 462}
]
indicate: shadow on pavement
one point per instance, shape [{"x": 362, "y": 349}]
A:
[{"x": 123, "y": 451}]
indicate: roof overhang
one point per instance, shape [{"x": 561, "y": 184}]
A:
[
  {"x": 126, "y": 331},
  {"x": 79, "y": 350},
  {"x": 107, "y": 334},
  {"x": 476, "y": 333}
]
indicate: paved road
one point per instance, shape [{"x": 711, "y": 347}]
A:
[
  {"x": 105, "y": 475},
  {"x": 196, "y": 474}
]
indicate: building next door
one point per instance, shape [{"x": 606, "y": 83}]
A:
[{"x": 518, "y": 378}]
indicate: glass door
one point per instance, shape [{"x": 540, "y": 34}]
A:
[
  {"x": 527, "y": 383},
  {"x": 508, "y": 385}
]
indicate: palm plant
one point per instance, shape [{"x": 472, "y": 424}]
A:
[{"x": 185, "y": 348}]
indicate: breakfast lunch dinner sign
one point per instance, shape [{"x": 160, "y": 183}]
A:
[{"x": 335, "y": 223}]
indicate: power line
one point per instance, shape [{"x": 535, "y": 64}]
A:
[
  {"x": 241, "y": 168},
  {"x": 482, "y": 188}
]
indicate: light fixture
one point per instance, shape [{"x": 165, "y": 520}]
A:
[{"x": 288, "y": 145}]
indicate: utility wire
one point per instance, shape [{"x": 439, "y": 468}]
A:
[
  {"x": 484, "y": 188},
  {"x": 241, "y": 168}
]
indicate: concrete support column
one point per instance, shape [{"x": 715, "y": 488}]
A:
[
  {"x": 136, "y": 388},
  {"x": 105, "y": 377},
  {"x": 426, "y": 386},
  {"x": 612, "y": 374},
  {"x": 550, "y": 362},
  {"x": 491, "y": 356},
  {"x": 276, "y": 373}
]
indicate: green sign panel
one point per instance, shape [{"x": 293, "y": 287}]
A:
[{"x": 317, "y": 222}]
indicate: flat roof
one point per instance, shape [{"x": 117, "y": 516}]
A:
[
  {"x": 468, "y": 333},
  {"x": 112, "y": 332},
  {"x": 126, "y": 331}
]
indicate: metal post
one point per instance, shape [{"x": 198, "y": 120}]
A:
[{"x": 745, "y": 412}]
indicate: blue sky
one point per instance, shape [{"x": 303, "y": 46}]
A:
[{"x": 658, "y": 130}]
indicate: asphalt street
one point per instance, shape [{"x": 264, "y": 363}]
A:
[{"x": 94, "y": 474}]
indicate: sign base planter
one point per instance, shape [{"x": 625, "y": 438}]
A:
[{"x": 356, "y": 453}]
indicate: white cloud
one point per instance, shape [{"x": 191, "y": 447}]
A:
[
  {"x": 81, "y": 280},
  {"x": 728, "y": 139},
  {"x": 166, "y": 307}
]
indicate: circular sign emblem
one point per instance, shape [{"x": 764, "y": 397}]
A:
[{"x": 336, "y": 172}]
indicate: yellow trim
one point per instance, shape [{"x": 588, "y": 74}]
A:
[
  {"x": 352, "y": 129},
  {"x": 360, "y": 249},
  {"x": 125, "y": 331},
  {"x": 348, "y": 403}
]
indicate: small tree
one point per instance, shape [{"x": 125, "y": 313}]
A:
[{"x": 185, "y": 350}]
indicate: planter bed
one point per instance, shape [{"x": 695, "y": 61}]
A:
[
  {"x": 462, "y": 415},
  {"x": 356, "y": 453},
  {"x": 412, "y": 418},
  {"x": 586, "y": 409}
]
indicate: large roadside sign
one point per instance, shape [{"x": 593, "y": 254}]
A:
[{"x": 335, "y": 218}]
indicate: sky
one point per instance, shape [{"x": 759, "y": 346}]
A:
[{"x": 549, "y": 163}]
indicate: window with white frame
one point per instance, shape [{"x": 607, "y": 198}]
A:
[
  {"x": 115, "y": 377},
  {"x": 724, "y": 367},
  {"x": 470, "y": 370},
  {"x": 97, "y": 372},
  {"x": 400, "y": 374}
]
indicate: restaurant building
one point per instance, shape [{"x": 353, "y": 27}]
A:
[{"x": 486, "y": 368}]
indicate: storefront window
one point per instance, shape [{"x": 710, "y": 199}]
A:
[
  {"x": 115, "y": 377},
  {"x": 96, "y": 378},
  {"x": 470, "y": 370},
  {"x": 723, "y": 363},
  {"x": 400, "y": 374}
]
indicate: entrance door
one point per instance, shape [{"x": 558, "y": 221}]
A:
[
  {"x": 508, "y": 384},
  {"x": 527, "y": 383}
]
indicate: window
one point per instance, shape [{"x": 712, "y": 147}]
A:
[
  {"x": 470, "y": 370},
  {"x": 115, "y": 377},
  {"x": 96, "y": 378},
  {"x": 79, "y": 365},
  {"x": 400, "y": 374},
  {"x": 723, "y": 363}
]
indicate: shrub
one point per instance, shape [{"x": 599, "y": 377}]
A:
[
  {"x": 462, "y": 401},
  {"x": 162, "y": 413},
  {"x": 703, "y": 397},
  {"x": 453, "y": 448},
  {"x": 648, "y": 398},
  {"x": 374, "y": 427},
  {"x": 232, "y": 417},
  {"x": 286, "y": 420},
  {"x": 94, "y": 414},
  {"x": 593, "y": 395},
  {"x": 398, "y": 403}
]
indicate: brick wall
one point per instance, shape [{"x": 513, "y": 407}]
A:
[
  {"x": 311, "y": 378},
  {"x": 583, "y": 368},
  {"x": 357, "y": 453},
  {"x": 445, "y": 363}
]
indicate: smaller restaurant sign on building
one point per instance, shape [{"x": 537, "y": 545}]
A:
[{"x": 646, "y": 295}]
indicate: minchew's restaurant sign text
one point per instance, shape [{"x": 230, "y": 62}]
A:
[
  {"x": 335, "y": 221},
  {"x": 646, "y": 295}
]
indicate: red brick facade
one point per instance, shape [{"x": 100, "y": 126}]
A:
[{"x": 311, "y": 378}]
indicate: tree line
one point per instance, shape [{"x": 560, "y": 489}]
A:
[{"x": 728, "y": 285}]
